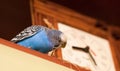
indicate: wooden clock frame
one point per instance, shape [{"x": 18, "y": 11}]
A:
[{"x": 55, "y": 13}]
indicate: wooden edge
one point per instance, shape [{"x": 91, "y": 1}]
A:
[
  {"x": 114, "y": 53},
  {"x": 38, "y": 54},
  {"x": 32, "y": 11},
  {"x": 115, "y": 43}
]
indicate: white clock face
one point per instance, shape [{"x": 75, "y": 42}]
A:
[{"x": 99, "y": 50}]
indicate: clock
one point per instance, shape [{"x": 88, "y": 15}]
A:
[
  {"x": 89, "y": 45},
  {"x": 87, "y": 50}
]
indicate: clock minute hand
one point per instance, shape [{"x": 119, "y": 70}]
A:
[
  {"x": 83, "y": 49},
  {"x": 86, "y": 49},
  {"x": 92, "y": 58}
]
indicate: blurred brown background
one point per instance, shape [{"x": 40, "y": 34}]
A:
[
  {"x": 15, "y": 14},
  {"x": 106, "y": 10},
  {"x": 14, "y": 17}
]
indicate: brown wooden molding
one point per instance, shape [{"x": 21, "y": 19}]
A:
[
  {"x": 114, "y": 33},
  {"x": 115, "y": 50}
]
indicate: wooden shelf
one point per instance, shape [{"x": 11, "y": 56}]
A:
[{"x": 22, "y": 58}]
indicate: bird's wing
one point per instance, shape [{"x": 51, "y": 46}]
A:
[{"x": 28, "y": 32}]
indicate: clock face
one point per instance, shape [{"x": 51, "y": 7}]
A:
[{"x": 97, "y": 58}]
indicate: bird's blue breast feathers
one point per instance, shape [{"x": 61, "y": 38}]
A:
[{"x": 39, "y": 42}]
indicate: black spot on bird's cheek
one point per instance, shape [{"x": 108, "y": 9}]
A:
[{"x": 56, "y": 45}]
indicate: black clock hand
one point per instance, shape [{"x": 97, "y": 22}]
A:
[
  {"x": 92, "y": 58},
  {"x": 86, "y": 49},
  {"x": 83, "y": 49}
]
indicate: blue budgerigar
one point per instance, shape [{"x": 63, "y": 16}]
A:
[{"x": 40, "y": 38}]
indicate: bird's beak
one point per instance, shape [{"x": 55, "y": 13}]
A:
[
  {"x": 64, "y": 40},
  {"x": 63, "y": 45}
]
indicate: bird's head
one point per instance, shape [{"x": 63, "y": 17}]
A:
[{"x": 62, "y": 41}]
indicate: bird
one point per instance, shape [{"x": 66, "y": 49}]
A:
[{"x": 40, "y": 38}]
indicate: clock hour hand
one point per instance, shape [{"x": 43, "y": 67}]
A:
[{"x": 86, "y": 49}]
